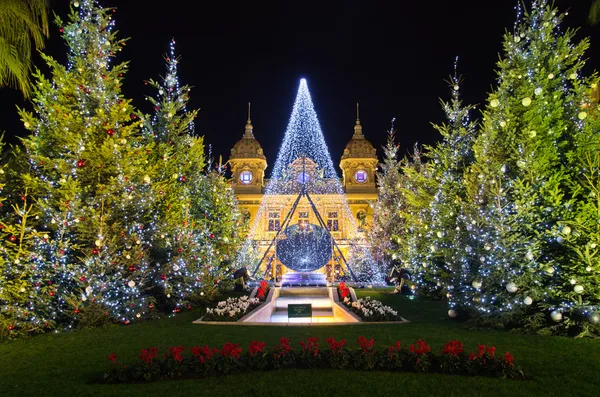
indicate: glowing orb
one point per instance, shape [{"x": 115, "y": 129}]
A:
[{"x": 304, "y": 247}]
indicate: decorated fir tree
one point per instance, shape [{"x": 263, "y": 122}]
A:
[
  {"x": 519, "y": 181},
  {"x": 387, "y": 225},
  {"x": 577, "y": 295},
  {"x": 26, "y": 297},
  {"x": 178, "y": 164},
  {"x": 88, "y": 175},
  {"x": 416, "y": 190},
  {"x": 448, "y": 231}
]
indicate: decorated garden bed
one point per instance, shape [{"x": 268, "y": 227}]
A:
[
  {"x": 368, "y": 309},
  {"x": 177, "y": 362},
  {"x": 233, "y": 309}
]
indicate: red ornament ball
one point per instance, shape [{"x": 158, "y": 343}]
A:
[
  {"x": 81, "y": 163},
  {"x": 133, "y": 116},
  {"x": 132, "y": 268},
  {"x": 62, "y": 30},
  {"x": 13, "y": 238},
  {"x": 82, "y": 278},
  {"x": 211, "y": 235},
  {"x": 110, "y": 132},
  {"x": 95, "y": 251}
]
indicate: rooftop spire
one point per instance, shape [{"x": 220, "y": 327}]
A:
[
  {"x": 248, "y": 133},
  {"x": 358, "y": 128}
]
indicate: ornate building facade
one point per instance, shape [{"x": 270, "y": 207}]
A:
[{"x": 358, "y": 164}]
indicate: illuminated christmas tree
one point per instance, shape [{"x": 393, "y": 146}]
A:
[
  {"x": 177, "y": 163},
  {"x": 448, "y": 231},
  {"x": 519, "y": 181},
  {"x": 303, "y": 168},
  {"x": 88, "y": 175},
  {"x": 25, "y": 297},
  {"x": 387, "y": 224}
]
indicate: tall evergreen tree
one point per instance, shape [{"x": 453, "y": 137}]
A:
[
  {"x": 448, "y": 228},
  {"x": 520, "y": 176},
  {"x": 178, "y": 166},
  {"x": 387, "y": 225},
  {"x": 87, "y": 173}
]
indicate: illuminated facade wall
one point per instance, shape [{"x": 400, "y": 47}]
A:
[{"x": 358, "y": 165}]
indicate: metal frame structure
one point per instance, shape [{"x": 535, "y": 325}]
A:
[{"x": 288, "y": 219}]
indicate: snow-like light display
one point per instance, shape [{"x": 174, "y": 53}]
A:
[
  {"x": 303, "y": 137},
  {"x": 304, "y": 164}
]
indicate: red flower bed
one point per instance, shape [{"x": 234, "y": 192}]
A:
[{"x": 206, "y": 361}]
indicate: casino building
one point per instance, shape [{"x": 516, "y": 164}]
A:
[{"x": 358, "y": 164}]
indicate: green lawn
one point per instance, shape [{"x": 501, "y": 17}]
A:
[{"x": 66, "y": 364}]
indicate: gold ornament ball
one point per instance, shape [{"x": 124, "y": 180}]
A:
[
  {"x": 526, "y": 101},
  {"x": 582, "y": 115},
  {"x": 494, "y": 103}
]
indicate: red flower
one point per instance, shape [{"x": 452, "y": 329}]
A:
[
  {"x": 312, "y": 344},
  {"x": 491, "y": 351},
  {"x": 231, "y": 350},
  {"x": 147, "y": 355},
  {"x": 256, "y": 348},
  {"x": 366, "y": 345},
  {"x": 454, "y": 348},
  {"x": 112, "y": 357},
  {"x": 393, "y": 349},
  {"x": 176, "y": 353},
  {"x": 422, "y": 347},
  {"x": 482, "y": 349},
  {"x": 472, "y": 356},
  {"x": 508, "y": 359},
  {"x": 262, "y": 290},
  {"x": 203, "y": 353},
  {"x": 344, "y": 290},
  {"x": 335, "y": 346}
]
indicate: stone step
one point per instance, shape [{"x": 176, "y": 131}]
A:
[
  {"x": 318, "y": 316},
  {"x": 317, "y": 302},
  {"x": 301, "y": 291}
]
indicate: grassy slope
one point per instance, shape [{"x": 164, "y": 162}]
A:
[{"x": 65, "y": 364}]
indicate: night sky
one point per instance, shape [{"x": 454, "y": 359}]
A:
[{"x": 391, "y": 56}]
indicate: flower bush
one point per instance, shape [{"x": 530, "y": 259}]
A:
[
  {"x": 262, "y": 291},
  {"x": 207, "y": 361},
  {"x": 366, "y": 357},
  {"x": 283, "y": 356},
  {"x": 310, "y": 354},
  {"x": 344, "y": 291},
  {"x": 372, "y": 310},
  {"x": 232, "y": 309}
]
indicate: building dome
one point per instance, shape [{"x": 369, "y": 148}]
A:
[
  {"x": 359, "y": 147},
  {"x": 248, "y": 146}
]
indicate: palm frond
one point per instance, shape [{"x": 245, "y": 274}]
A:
[
  {"x": 594, "y": 16},
  {"x": 23, "y": 24}
]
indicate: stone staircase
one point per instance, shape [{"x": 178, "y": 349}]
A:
[{"x": 298, "y": 288}]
